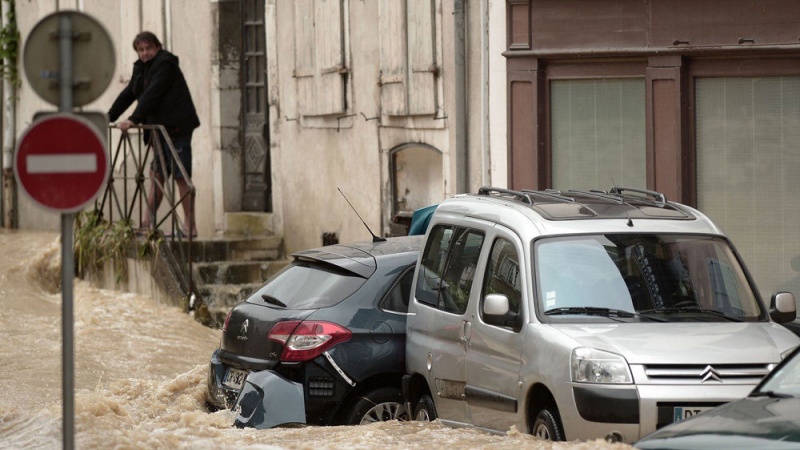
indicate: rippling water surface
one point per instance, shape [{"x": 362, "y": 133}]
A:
[{"x": 140, "y": 371}]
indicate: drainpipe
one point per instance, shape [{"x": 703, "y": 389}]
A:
[
  {"x": 486, "y": 172},
  {"x": 7, "y": 186},
  {"x": 167, "y": 18},
  {"x": 462, "y": 157}
]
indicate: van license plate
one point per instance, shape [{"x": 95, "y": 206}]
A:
[
  {"x": 684, "y": 412},
  {"x": 234, "y": 378}
]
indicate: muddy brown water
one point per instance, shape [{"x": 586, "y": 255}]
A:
[{"x": 140, "y": 371}]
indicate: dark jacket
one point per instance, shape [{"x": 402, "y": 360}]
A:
[{"x": 161, "y": 93}]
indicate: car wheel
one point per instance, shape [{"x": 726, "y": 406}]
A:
[
  {"x": 211, "y": 407},
  {"x": 379, "y": 405},
  {"x": 547, "y": 425},
  {"x": 425, "y": 410}
]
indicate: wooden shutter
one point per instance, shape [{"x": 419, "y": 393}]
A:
[
  {"x": 330, "y": 57},
  {"x": 393, "y": 57},
  {"x": 304, "y": 66},
  {"x": 319, "y": 57},
  {"x": 422, "y": 56},
  {"x": 408, "y": 57}
]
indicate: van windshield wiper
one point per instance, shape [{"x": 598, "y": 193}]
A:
[
  {"x": 597, "y": 311},
  {"x": 691, "y": 309},
  {"x": 589, "y": 311},
  {"x": 273, "y": 301}
]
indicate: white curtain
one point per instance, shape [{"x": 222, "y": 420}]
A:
[
  {"x": 748, "y": 164},
  {"x": 598, "y": 133}
]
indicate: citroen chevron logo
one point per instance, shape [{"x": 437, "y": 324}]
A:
[
  {"x": 710, "y": 374},
  {"x": 243, "y": 331}
]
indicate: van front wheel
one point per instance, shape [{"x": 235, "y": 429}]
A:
[
  {"x": 547, "y": 425},
  {"x": 425, "y": 409}
]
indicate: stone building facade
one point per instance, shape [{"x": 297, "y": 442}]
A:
[{"x": 383, "y": 100}]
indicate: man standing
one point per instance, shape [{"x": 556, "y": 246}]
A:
[{"x": 162, "y": 98}]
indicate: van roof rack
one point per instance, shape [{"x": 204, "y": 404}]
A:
[
  {"x": 519, "y": 195},
  {"x": 619, "y": 202},
  {"x": 602, "y": 195},
  {"x": 658, "y": 198}
]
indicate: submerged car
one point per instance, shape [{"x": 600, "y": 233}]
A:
[
  {"x": 322, "y": 342},
  {"x": 768, "y": 418}
]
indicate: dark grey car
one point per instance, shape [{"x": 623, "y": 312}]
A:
[{"x": 321, "y": 342}]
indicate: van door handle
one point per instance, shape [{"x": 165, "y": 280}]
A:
[{"x": 465, "y": 329}]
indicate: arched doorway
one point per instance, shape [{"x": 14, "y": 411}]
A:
[{"x": 417, "y": 180}]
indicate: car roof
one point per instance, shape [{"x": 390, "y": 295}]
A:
[
  {"x": 552, "y": 212},
  {"x": 362, "y": 258}
]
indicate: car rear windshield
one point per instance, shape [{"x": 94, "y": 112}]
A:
[
  {"x": 308, "y": 285},
  {"x": 663, "y": 276}
]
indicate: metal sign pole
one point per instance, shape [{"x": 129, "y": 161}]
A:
[
  {"x": 67, "y": 254},
  {"x": 91, "y": 61}
]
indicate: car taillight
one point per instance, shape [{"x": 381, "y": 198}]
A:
[
  {"x": 225, "y": 326},
  {"x": 227, "y": 319},
  {"x": 304, "y": 341}
]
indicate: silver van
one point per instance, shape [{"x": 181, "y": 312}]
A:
[{"x": 583, "y": 315}]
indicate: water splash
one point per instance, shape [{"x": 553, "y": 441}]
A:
[{"x": 141, "y": 372}]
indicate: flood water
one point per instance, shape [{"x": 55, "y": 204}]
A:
[{"x": 140, "y": 371}]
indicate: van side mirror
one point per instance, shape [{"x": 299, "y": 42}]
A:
[
  {"x": 782, "y": 307},
  {"x": 495, "y": 305}
]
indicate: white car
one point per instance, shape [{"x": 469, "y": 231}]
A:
[{"x": 583, "y": 315}]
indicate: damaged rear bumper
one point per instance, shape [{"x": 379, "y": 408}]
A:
[{"x": 268, "y": 400}]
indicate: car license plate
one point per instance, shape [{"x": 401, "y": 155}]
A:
[
  {"x": 234, "y": 378},
  {"x": 685, "y": 412}
]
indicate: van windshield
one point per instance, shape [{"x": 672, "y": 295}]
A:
[{"x": 661, "y": 277}]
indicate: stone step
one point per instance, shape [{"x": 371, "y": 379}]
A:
[
  {"x": 220, "y": 298},
  {"x": 226, "y": 295},
  {"x": 236, "y": 272},
  {"x": 228, "y": 267},
  {"x": 233, "y": 248},
  {"x": 248, "y": 224}
]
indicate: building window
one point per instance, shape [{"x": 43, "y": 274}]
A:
[
  {"x": 748, "y": 160},
  {"x": 598, "y": 133},
  {"x": 320, "y": 57},
  {"x": 409, "y": 65}
]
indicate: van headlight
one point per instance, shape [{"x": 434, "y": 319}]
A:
[{"x": 596, "y": 366}]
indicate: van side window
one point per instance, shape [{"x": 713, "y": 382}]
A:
[
  {"x": 460, "y": 272},
  {"x": 432, "y": 265},
  {"x": 448, "y": 268},
  {"x": 503, "y": 277}
]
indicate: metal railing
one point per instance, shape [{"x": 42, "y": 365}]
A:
[{"x": 126, "y": 194}]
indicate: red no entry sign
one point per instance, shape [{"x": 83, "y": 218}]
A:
[{"x": 61, "y": 162}]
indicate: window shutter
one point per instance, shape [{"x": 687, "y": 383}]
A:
[
  {"x": 393, "y": 57},
  {"x": 330, "y": 57},
  {"x": 421, "y": 33},
  {"x": 304, "y": 67},
  {"x": 319, "y": 57}
]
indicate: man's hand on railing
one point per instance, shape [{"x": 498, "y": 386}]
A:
[{"x": 124, "y": 125}]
